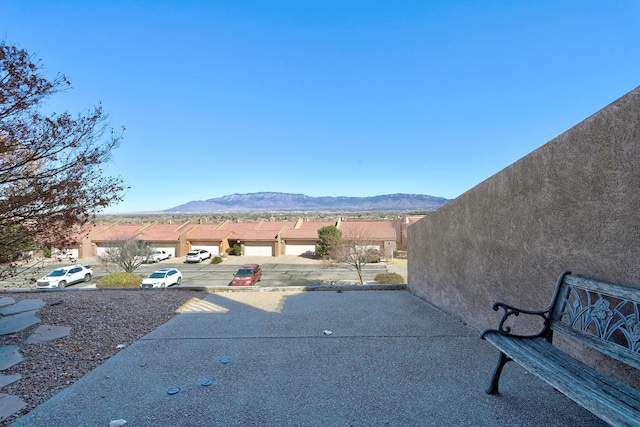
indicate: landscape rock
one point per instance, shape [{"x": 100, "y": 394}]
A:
[
  {"x": 18, "y": 322},
  {"x": 9, "y": 405},
  {"x": 22, "y": 306},
  {"x": 6, "y": 301},
  {"x": 9, "y": 379},
  {"x": 9, "y": 355},
  {"x": 46, "y": 333}
]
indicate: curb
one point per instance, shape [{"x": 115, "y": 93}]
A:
[{"x": 214, "y": 289}]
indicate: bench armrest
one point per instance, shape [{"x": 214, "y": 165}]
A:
[{"x": 509, "y": 311}]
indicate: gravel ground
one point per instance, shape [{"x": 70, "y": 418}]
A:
[{"x": 100, "y": 321}]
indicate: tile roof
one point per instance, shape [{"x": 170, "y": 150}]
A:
[
  {"x": 275, "y": 225},
  {"x": 316, "y": 225},
  {"x": 165, "y": 231},
  {"x": 88, "y": 229},
  {"x": 267, "y": 235},
  {"x": 414, "y": 218},
  {"x": 208, "y": 232},
  {"x": 247, "y": 231},
  {"x": 250, "y": 231},
  {"x": 307, "y": 230},
  {"x": 118, "y": 231},
  {"x": 237, "y": 227},
  {"x": 378, "y": 230}
]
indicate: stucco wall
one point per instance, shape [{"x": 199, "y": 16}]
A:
[{"x": 573, "y": 204}]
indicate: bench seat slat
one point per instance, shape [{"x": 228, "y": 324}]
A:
[
  {"x": 541, "y": 355},
  {"x": 613, "y": 400}
]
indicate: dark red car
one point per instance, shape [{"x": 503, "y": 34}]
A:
[{"x": 247, "y": 275}]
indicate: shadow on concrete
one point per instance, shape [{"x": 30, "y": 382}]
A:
[{"x": 265, "y": 358}]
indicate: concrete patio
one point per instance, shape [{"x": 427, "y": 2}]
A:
[{"x": 379, "y": 358}]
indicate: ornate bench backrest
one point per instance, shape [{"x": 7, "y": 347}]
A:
[{"x": 601, "y": 315}]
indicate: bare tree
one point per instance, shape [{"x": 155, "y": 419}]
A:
[
  {"x": 128, "y": 253},
  {"x": 355, "y": 249},
  {"x": 51, "y": 166}
]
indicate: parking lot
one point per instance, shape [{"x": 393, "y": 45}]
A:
[{"x": 277, "y": 272}]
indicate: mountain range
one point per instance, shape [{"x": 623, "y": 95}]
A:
[{"x": 273, "y": 201}]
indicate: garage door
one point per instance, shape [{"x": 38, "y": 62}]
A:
[
  {"x": 214, "y": 249},
  {"x": 299, "y": 249},
  {"x": 258, "y": 251},
  {"x": 102, "y": 250},
  {"x": 73, "y": 253}
]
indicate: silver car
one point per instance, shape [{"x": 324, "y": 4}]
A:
[
  {"x": 198, "y": 255},
  {"x": 162, "y": 279},
  {"x": 64, "y": 276}
]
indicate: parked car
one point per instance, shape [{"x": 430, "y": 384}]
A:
[
  {"x": 162, "y": 278},
  {"x": 247, "y": 275},
  {"x": 156, "y": 256},
  {"x": 64, "y": 276},
  {"x": 198, "y": 255}
]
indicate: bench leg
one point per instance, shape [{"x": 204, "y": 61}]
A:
[{"x": 495, "y": 378}]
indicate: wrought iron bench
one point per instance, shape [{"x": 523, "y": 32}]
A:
[{"x": 602, "y": 316}]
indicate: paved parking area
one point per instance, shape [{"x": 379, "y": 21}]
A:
[{"x": 277, "y": 272}]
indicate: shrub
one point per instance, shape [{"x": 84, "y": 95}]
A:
[
  {"x": 389, "y": 278},
  {"x": 329, "y": 239},
  {"x": 46, "y": 252},
  {"x": 216, "y": 260},
  {"x": 119, "y": 280},
  {"x": 373, "y": 256},
  {"x": 236, "y": 249}
]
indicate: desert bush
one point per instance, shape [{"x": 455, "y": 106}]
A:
[
  {"x": 389, "y": 278},
  {"x": 373, "y": 256},
  {"x": 119, "y": 280},
  {"x": 236, "y": 249},
  {"x": 46, "y": 252},
  {"x": 216, "y": 260}
]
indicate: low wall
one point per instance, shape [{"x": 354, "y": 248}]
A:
[{"x": 573, "y": 204}]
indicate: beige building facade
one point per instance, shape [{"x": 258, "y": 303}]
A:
[
  {"x": 262, "y": 238},
  {"x": 572, "y": 204}
]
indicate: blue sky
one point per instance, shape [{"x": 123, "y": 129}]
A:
[{"x": 328, "y": 98}]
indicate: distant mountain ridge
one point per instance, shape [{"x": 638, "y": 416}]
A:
[{"x": 273, "y": 201}]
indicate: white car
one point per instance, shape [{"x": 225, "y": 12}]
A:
[
  {"x": 197, "y": 255},
  {"x": 64, "y": 276},
  {"x": 162, "y": 278},
  {"x": 157, "y": 256}
]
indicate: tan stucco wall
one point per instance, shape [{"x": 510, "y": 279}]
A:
[{"x": 573, "y": 204}]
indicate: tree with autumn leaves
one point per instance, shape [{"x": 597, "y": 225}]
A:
[{"x": 51, "y": 165}]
